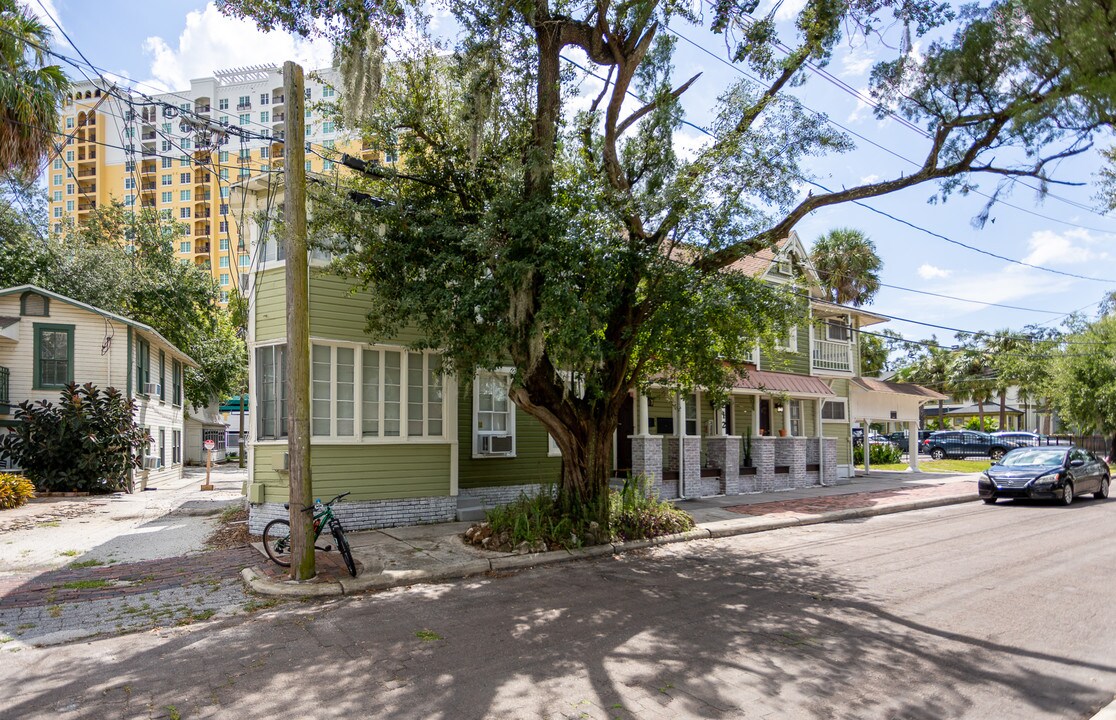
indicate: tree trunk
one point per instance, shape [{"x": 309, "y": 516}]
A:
[
  {"x": 980, "y": 412},
  {"x": 1003, "y": 410},
  {"x": 941, "y": 416}
]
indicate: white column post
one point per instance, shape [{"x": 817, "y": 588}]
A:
[
  {"x": 644, "y": 416},
  {"x": 821, "y": 439},
  {"x": 867, "y": 447},
  {"x": 912, "y": 445},
  {"x": 680, "y": 410},
  {"x": 756, "y": 416}
]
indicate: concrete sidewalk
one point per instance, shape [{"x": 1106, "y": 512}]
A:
[{"x": 427, "y": 553}]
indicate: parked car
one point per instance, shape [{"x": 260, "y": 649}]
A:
[
  {"x": 875, "y": 438},
  {"x": 1022, "y": 438},
  {"x": 1057, "y": 473},
  {"x": 900, "y": 439},
  {"x": 966, "y": 443}
]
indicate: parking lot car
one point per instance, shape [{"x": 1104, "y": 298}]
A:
[
  {"x": 1023, "y": 439},
  {"x": 1057, "y": 473},
  {"x": 966, "y": 443},
  {"x": 900, "y": 439}
]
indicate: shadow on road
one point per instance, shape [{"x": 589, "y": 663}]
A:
[{"x": 702, "y": 630}]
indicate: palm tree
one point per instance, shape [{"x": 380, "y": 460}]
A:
[
  {"x": 30, "y": 92},
  {"x": 931, "y": 369},
  {"x": 848, "y": 266},
  {"x": 972, "y": 378}
]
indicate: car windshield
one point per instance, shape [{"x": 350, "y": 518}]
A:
[{"x": 1034, "y": 456}]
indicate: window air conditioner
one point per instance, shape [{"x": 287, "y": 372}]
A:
[
  {"x": 151, "y": 388},
  {"x": 496, "y": 444},
  {"x": 151, "y": 462}
]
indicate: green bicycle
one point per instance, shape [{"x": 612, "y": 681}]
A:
[{"x": 277, "y": 535}]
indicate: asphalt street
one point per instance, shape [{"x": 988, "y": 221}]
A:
[{"x": 958, "y": 612}]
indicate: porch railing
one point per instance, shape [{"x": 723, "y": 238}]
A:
[{"x": 831, "y": 355}]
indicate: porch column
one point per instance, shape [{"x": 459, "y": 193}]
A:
[
  {"x": 644, "y": 417},
  {"x": 786, "y": 417},
  {"x": 755, "y": 415},
  {"x": 912, "y": 445},
  {"x": 719, "y": 422},
  {"x": 867, "y": 447},
  {"x": 680, "y": 430},
  {"x": 818, "y": 403}
]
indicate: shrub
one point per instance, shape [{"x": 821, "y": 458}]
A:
[
  {"x": 540, "y": 519},
  {"x": 881, "y": 454},
  {"x": 14, "y": 490},
  {"x": 88, "y": 442}
]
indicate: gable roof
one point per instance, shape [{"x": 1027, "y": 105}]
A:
[
  {"x": 760, "y": 264},
  {"x": 20, "y": 289},
  {"x": 896, "y": 388}
]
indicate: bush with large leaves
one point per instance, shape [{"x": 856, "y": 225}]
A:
[{"x": 88, "y": 442}]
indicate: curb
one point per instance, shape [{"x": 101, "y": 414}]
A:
[
  {"x": 1108, "y": 712},
  {"x": 716, "y": 529}
]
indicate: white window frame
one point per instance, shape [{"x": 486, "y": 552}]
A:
[
  {"x": 477, "y": 433},
  {"x": 800, "y": 420},
  {"x": 843, "y": 402},
  {"x": 358, "y": 436},
  {"x": 791, "y": 340},
  {"x": 842, "y": 322},
  {"x": 552, "y": 449}
]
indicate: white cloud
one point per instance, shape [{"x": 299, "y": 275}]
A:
[
  {"x": 789, "y": 9},
  {"x": 857, "y": 61},
  {"x": 930, "y": 272},
  {"x": 869, "y": 179},
  {"x": 1071, "y": 247},
  {"x": 45, "y": 12},
  {"x": 211, "y": 41}
]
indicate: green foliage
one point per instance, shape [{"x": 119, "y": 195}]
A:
[
  {"x": 1084, "y": 378},
  {"x": 15, "y": 490},
  {"x": 846, "y": 261},
  {"x": 632, "y": 515},
  {"x": 148, "y": 284},
  {"x": 88, "y": 442},
  {"x": 31, "y": 91},
  {"x": 880, "y": 454},
  {"x": 991, "y": 424}
]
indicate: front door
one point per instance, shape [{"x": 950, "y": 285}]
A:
[{"x": 765, "y": 417}]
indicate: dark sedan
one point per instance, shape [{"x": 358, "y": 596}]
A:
[{"x": 1056, "y": 473}]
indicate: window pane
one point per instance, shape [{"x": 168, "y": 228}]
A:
[
  {"x": 265, "y": 369},
  {"x": 53, "y": 357},
  {"x": 415, "y": 386},
  {"x": 346, "y": 398},
  {"x": 434, "y": 396},
  {"x": 319, "y": 405},
  {"x": 370, "y": 394},
  {"x": 392, "y": 380}
]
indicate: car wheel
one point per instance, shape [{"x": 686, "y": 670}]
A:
[
  {"x": 1103, "y": 492},
  {"x": 1067, "y": 494},
  {"x": 989, "y": 501},
  {"x": 937, "y": 453},
  {"x": 996, "y": 453}
]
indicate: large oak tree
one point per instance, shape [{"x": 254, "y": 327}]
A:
[{"x": 582, "y": 246}]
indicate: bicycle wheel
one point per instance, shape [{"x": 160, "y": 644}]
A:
[
  {"x": 277, "y": 542},
  {"x": 343, "y": 548}
]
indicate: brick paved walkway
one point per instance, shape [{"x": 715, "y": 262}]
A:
[{"x": 879, "y": 498}]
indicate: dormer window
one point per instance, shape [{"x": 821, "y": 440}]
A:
[
  {"x": 785, "y": 266},
  {"x": 32, "y": 304}
]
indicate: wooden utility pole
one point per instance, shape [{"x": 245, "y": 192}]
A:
[{"x": 298, "y": 325}]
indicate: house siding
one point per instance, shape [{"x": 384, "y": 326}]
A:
[
  {"x": 797, "y": 362},
  {"x": 271, "y": 305},
  {"x": 369, "y": 471},
  {"x": 530, "y": 466},
  {"x": 340, "y": 315}
]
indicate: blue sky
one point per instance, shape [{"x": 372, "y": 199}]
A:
[{"x": 166, "y": 42}]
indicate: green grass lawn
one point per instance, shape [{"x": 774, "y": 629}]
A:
[{"x": 943, "y": 466}]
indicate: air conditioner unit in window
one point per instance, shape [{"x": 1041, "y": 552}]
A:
[
  {"x": 151, "y": 462},
  {"x": 282, "y": 463},
  {"x": 151, "y": 388},
  {"x": 496, "y": 444}
]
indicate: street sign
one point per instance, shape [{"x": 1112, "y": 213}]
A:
[{"x": 210, "y": 444}]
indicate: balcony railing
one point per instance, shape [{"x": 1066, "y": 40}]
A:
[
  {"x": 244, "y": 106},
  {"x": 831, "y": 355},
  {"x": 278, "y": 99}
]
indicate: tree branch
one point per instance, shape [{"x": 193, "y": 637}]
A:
[{"x": 675, "y": 94}]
